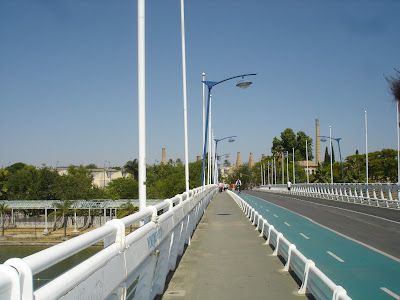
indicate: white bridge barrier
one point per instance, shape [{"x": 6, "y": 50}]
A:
[
  {"x": 133, "y": 266},
  {"x": 313, "y": 280},
  {"x": 377, "y": 194}
]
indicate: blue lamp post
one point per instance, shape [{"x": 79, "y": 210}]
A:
[
  {"x": 231, "y": 140},
  {"x": 324, "y": 139},
  {"x": 243, "y": 83}
]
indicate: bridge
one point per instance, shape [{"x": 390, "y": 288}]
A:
[{"x": 325, "y": 241}]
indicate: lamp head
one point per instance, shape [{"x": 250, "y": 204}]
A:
[
  {"x": 244, "y": 83},
  {"x": 323, "y": 139},
  {"x": 231, "y": 140}
]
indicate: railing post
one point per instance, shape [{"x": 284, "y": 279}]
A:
[{"x": 303, "y": 287}]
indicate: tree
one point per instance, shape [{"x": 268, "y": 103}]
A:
[
  {"x": 322, "y": 175},
  {"x": 91, "y": 166},
  {"x": 276, "y": 146},
  {"x": 301, "y": 140},
  {"x": 123, "y": 188},
  {"x": 4, "y": 209},
  {"x": 354, "y": 168},
  {"x": 383, "y": 166},
  {"x": 327, "y": 157},
  {"x": 16, "y": 167},
  {"x": 65, "y": 210},
  {"x": 3, "y": 183},
  {"x": 394, "y": 85},
  {"x": 127, "y": 209},
  {"x": 132, "y": 167},
  {"x": 288, "y": 139},
  {"x": 75, "y": 185},
  {"x": 291, "y": 141}
]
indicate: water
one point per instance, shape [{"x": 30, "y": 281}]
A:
[{"x": 45, "y": 276}]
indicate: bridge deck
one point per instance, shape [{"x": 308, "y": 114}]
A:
[{"x": 227, "y": 260}]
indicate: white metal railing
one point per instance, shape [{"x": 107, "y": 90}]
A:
[
  {"x": 377, "y": 194},
  {"x": 133, "y": 266},
  {"x": 313, "y": 280}
]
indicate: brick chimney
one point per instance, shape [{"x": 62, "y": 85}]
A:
[
  {"x": 238, "y": 160},
  {"x": 251, "y": 160},
  {"x": 164, "y": 157}
]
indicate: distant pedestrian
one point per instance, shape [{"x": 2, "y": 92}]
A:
[
  {"x": 220, "y": 185},
  {"x": 289, "y": 185}
]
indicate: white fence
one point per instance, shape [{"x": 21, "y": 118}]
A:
[
  {"x": 129, "y": 267},
  {"x": 313, "y": 280},
  {"x": 378, "y": 194}
]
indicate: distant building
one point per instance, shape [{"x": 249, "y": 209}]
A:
[
  {"x": 101, "y": 177},
  {"x": 312, "y": 166}
]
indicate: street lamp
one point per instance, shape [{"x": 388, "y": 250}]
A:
[
  {"x": 210, "y": 84},
  {"x": 324, "y": 139},
  {"x": 231, "y": 140}
]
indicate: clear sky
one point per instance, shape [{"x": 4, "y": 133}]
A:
[{"x": 68, "y": 76}]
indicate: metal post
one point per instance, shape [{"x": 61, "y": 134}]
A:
[
  {"x": 45, "y": 221},
  {"x": 210, "y": 143},
  {"x": 206, "y": 140},
  {"x": 308, "y": 180},
  {"x": 330, "y": 145},
  {"x": 184, "y": 95},
  {"x": 294, "y": 178},
  {"x": 287, "y": 165},
  {"x": 141, "y": 104},
  {"x": 204, "y": 113},
  {"x": 366, "y": 145},
  {"x": 398, "y": 145},
  {"x": 283, "y": 169}
]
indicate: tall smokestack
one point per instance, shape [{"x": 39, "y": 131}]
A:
[
  {"x": 238, "y": 160},
  {"x": 251, "y": 160},
  {"x": 317, "y": 143},
  {"x": 164, "y": 157}
]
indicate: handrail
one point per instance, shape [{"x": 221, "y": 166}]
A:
[
  {"x": 137, "y": 263},
  {"x": 376, "y": 194},
  {"x": 304, "y": 268}
]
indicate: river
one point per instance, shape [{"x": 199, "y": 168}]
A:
[{"x": 45, "y": 276}]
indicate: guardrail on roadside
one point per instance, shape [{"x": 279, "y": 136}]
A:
[
  {"x": 134, "y": 266},
  {"x": 378, "y": 194},
  {"x": 313, "y": 280}
]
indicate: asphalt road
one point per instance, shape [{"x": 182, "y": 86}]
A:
[{"x": 375, "y": 227}]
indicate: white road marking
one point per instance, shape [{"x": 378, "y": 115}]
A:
[
  {"x": 304, "y": 236},
  {"x": 275, "y": 216},
  {"x": 267, "y": 210},
  {"x": 335, "y": 256},
  {"x": 395, "y": 296},
  {"x": 287, "y": 224}
]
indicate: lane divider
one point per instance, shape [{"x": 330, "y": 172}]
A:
[
  {"x": 304, "y": 236},
  {"x": 335, "y": 256},
  {"x": 389, "y": 292}
]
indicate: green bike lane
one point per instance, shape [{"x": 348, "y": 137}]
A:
[{"x": 363, "y": 272}]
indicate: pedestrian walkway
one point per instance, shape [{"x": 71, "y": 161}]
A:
[{"x": 228, "y": 260}]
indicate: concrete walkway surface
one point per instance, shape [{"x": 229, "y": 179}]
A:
[{"x": 228, "y": 260}]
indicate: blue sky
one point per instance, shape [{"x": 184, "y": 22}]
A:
[{"x": 68, "y": 76}]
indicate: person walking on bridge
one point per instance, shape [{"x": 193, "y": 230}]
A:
[{"x": 289, "y": 185}]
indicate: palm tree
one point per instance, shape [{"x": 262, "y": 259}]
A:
[
  {"x": 64, "y": 208},
  {"x": 4, "y": 209},
  {"x": 127, "y": 209},
  {"x": 394, "y": 84},
  {"x": 132, "y": 167}
]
